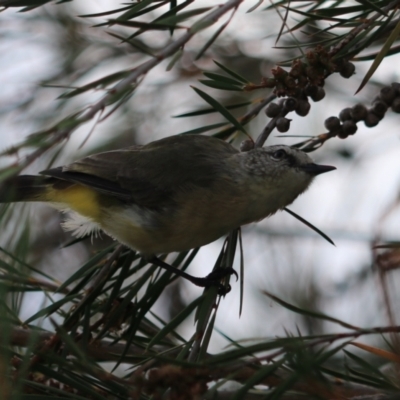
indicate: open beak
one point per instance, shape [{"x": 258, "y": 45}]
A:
[{"x": 315, "y": 169}]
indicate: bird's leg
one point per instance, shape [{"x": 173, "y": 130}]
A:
[
  {"x": 220, "y": 273},
  {"x": 212, "y": 279}
]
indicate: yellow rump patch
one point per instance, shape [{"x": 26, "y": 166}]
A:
[{"x": 81, "y": 199}]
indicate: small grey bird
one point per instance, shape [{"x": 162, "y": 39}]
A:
[{"x": 173, "y": 194}]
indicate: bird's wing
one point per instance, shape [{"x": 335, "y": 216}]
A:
[
  {"x": 149, "y": 175},
  {"x": 97, "y": 172}
]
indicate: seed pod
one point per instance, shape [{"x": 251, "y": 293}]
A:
[
  {"x": 379, "y": 108},
  {"x": 342, "y": 135},
  {"x": 283, "y": 124},
  {"x": 387, "y": 94},
  {"x": 358, "y": 112},
  {"x": 290, "y": 104},
  {"x": 347, "y": 70},
  {"x": 319, "y": 95},
  {"x": 371, "y": 120},
  {"x": 349, "y": 127},
  {"x": 375, "y": 99},
  {"x": 396, "y": 104},
  {"x": 313, "y": 73},
  {"x": 396, "y": 87},
  {"x": 290, "y": 83},
  {"x": 345, "y": 114},
  {"x": 332, "y": 124},
  {"x": 247, "y": 145},
  {"x": 311, "y": 90},
  {"x": 272, "y": 110},
  {"x": 303, "y": 108}
]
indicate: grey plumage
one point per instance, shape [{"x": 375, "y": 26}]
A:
[{"x": 176, "y": 193}]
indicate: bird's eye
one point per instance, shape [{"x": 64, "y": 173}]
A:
[{"x": 279, "y": 155}]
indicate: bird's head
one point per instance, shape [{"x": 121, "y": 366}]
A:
[{"x": 282, "y": 168}]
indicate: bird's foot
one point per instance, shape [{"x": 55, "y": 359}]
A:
[
  {"x": 214, "y": 279},
  {"x": 221, "y": 273}
]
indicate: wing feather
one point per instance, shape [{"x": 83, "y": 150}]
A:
[{"x": 150, "y": 175}]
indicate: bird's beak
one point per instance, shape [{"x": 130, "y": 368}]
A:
[{"x": 315, "y": 169}]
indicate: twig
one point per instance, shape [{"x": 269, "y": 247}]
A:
[
  {"x": 56, "y": 339},
  {"x": 34, "y": 282},
  {"x": 92, "y": 290},
  {"x": 268, "y": 129},
  {"x": 330, "y": 338},
  {"x": 355, "y": 31},
  {"x": 122, "y": 86},
  {"x": 240, "y": 371},
  {"x": 201, "y": 329},
  {"x": 101, "y": 350},
  {"x": 256, "y": 110}
]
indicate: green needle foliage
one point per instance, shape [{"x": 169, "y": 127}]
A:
[{"x": 96, "y": 334}]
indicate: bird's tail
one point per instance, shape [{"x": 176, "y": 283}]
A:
[{"x": 25, "y": 188}]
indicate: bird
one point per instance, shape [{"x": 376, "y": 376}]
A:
[{"x": 173, "y": 194}]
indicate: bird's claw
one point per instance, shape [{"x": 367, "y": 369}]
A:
[
  {"x": 221, "y": 273},
  {"x": 215, "y": 277}
]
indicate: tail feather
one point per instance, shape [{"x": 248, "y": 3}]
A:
[{"x": 25, "y": 188}]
